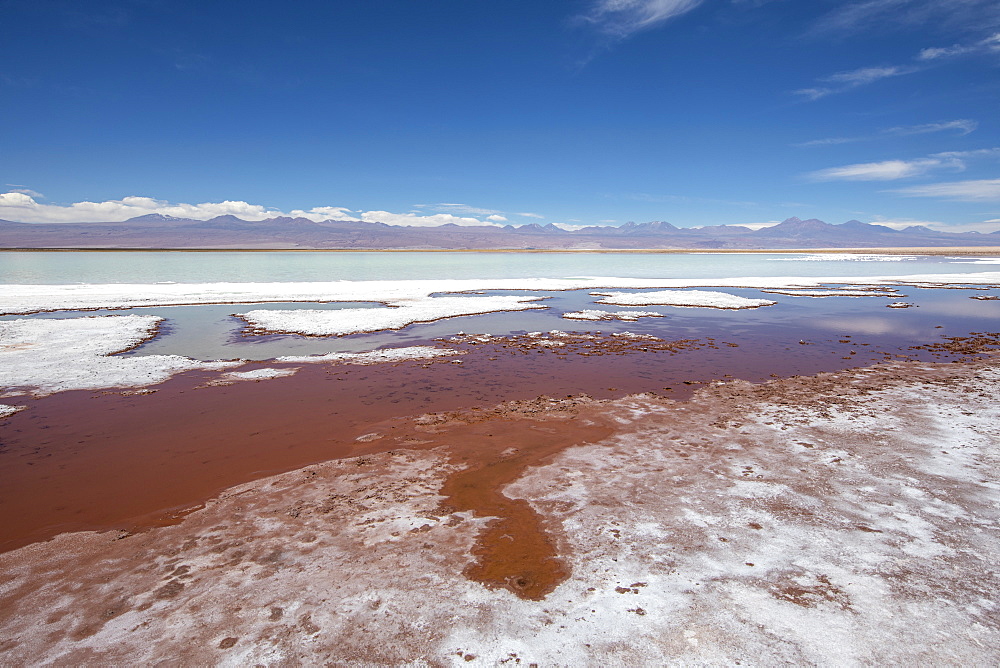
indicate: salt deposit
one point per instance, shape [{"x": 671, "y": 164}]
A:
[
  {"x": 847, "y": 292},
  {"x": 627, "y": 316},
  {"x": 848, "y": 257},
  {"x": 7, "y": 411},
  {"x": 316, "y": 322},
  {"x": 21, "y": 299},
  {"x": 700, "y": 298},
  {"x": 375, "y": 356},
  {"x": 257, "y": 374},
  {"x": 52, "y": 355}
]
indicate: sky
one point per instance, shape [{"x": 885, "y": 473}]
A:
[{"x": 572, "y": 112}]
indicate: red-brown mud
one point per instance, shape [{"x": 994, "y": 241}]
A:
[
  {"x": 494, "y": 448},
  {"x": 801, "y": 521},
  {"x": 104, "y": 460}
]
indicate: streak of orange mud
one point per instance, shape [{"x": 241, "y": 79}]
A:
[{"x": 515, "y": 551}]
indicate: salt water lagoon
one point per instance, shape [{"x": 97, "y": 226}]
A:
[{"x": 540, "y": 457}]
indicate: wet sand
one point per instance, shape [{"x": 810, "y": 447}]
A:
[{"x": 844, "y": 517}]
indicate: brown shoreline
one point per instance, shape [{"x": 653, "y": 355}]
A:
[{"x": 889, "y": 250}]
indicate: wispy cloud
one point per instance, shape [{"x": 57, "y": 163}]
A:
[
  {"x": 24, "y": 190},
  {"x": 989, "y": 45},
  {"x": 892, "y": 170},
  {"x": 23, "y": 207},
  {"x": 854, "y": 17},
  {"x": 622, "y": 18},
  {"x": 415, "y": 220},
  {"x": 982, "y": 190},
  {"x": 887, "y": 170},
  {"x": 527, "y": 214},
  {"x": 845, "y": 81},
  {"x": 963, "y": 126},
  {"x": 452, "y": 207}
]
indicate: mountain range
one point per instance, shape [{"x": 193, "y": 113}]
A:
[{"x": 230, "y": 232}]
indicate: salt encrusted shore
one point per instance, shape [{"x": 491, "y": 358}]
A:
[
  {"x": 685, "y": 298},
  {"x": 41, "y": 356},
  {"x": 23, "y": 299},
  {"x": 846, "y": 518},
  {"x": 45, "y": 355}
]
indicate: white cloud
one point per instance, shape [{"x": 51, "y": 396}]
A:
[
  {"x": 414, "y": 220},
  {"x": 449, "y": 207},
  {"x": 622, "y": 18},
  {"x": 831, "y": 141},
  {"x": 888, "y": 170},
  {"x": 496, "y": 218},
  {"x": 963, "y": 15},
  {"x": 530, "y": 215},
  {"x": 864, "y": 75},
  {"x": 845, "y": 81},
  {"x": 977, "y": 153},
  {"x": 963, "y": 125},
  {"x": 318, "y": 213},
  {"x": 22, "y": 207},
  {"x": 14, "y": 188},
  {"x": 982, "y": 190},
  {"x": 989, "y": 45}
]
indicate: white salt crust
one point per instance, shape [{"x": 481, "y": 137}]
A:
[
  {"x": 702, "y": 298},
  {"x": 41, "y": 356},
  {"x": 316, "y": 322},
  {"x": 45, "y": 355},
  {"x": 20, "y": 299},
  {"x": 266, "y": 373},
  {"x": 7, "y": 411},
  {"x": 834, "y": 293},
  {"x": 848, "y": 257},
  {"x": 375, "y": 356},
  {"x": 627, "y": 316}
]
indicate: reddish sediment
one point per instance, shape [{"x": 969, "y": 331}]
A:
[
  {"x": 517, "y": 550},
  {"x": 119, "y": 460}
]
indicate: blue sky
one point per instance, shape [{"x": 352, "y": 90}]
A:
[{"x": 576, "y": 112}]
